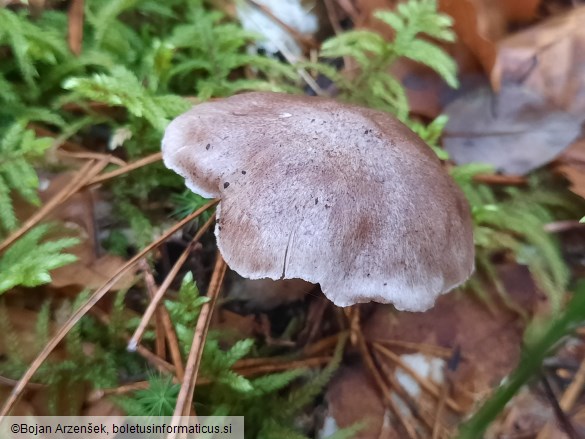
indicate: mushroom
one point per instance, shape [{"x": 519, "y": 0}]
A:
[{"x": 335, "y": 194}]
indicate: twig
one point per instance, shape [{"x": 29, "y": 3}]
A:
[
  {"x": 369, "y": 362},
  {"x": 139, "y": 332},
  {"x": 12, "y": 383},
  {"x": 87, "y": 305},
  {"x": 75, "y": 150},
  {"x": 327, "y": 343},
  {"x": 429, "y": 349},
  {"x": 91, "y": 155},
  {"x": 75, "y": 28},
  {"x": 164, "y": 319},
  {"x": 333, "y": 16},
  {"x": 86, "y": 173},
  {"x": 267, "y": 366},
  {"x": 280, "y": 366},
  {"x": 98, "y": 394},
  {"x": 418, "y": 412},
  {"x": 574, "y": 389},
  {"x": 425, "y": 384},
  {"x": 160, "y": 364},
  {"x": 153, "y": 158},
  {"x": 438, "y": 427},
  {"x": 509, "y": 180},
  {"x": 350, "y": 10},
  {"x": 562, "y": 418},
  {"x": 563, "y": 226},
  {"x": 183, "y": 406},
  {"x": 160, "y": 339}
]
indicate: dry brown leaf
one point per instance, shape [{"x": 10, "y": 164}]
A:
[
  {"x": 576, "y": 175},
  {"x": 89, "y": 271},
  {"x": 23, "y": 323},
  {"x": 92, "y": 268},
  {"x": 352, "y": 398},
  {"x": 548, "y": 58},
  {"x": 515, "y": 131},
  {"x": 572, "y": 165},
  {"x": 525, "y": 416},
  {"x": 477, "y": 25}
]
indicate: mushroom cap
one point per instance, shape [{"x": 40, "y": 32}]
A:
[{"x": 335, "y": 194}]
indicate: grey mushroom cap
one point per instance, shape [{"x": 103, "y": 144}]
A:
[{"x": 335, "y": 194}]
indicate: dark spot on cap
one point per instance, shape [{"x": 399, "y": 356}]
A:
[
  {"x": 219, "y": 228},
  {"x": 385, "y": 284},
  {"x": 243, "y": 172},
  {"x": 208, "y": 146},
  {"x": 327, "y": 206},
  {"x": 225, "y": 185},
  {"x": 316, "y": 201},
  {"x": 312, "y": 120}
]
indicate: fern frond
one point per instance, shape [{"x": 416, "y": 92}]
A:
[
  {"x": 28, "y": 261},
  {"x": 374, "y": 86},
  {"x": 122, "y": 88},
  {"x": 30, "y": 44},
  {"x": 18, "y": 148}
]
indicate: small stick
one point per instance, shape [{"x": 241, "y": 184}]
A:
[
  {"x": 86, "y": 173},
  {"x": 183, "y": 406},
  {"x": 277, "y": 367},
  {"x": 509, "y": 180},
  {"x": 164, "y": 320},
  {"x": 139, "y": 332},
  {"x": 407, "y": 398},
  {"x": 563, "y": 420},
  {"x": 574, "y": 389},
  {"x": 268, "y": 367},
  {"x": 325, "y": 344},
  {"x": 160, "y": 364},
  {"x": 87, "y": 305},
  {"x": 434, "y": 350},
  {"x": 12, "y": 383},
  {"x": 369, "y": 362},
  {"x": 425, "y": 384},
  {"x": 350, "y": 10},
  {"x": 153, "y": 158},
  {"x": 333, "y": 17},
  {"x": 98, "y": 394},
  {"x": 91, "y": 155},
  {"x": 75, "y": 28},
  {"x": 159, "y": 345},
  {"x": 437, "y": 427}
]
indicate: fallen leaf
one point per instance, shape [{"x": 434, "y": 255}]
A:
[
  {"x": 515, "y": 131},
  {"x": 92, "y": 268},
  {"x": 549, "y": 59},
  {"x": 572, "y": 165},
  {"x": 477, "y": 26},
  {"x": 352, "y": 398},
  {"x": 525, "y": 415}
]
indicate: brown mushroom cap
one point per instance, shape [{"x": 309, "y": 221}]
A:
[{"x": 334, "y": 194}]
